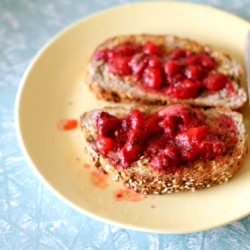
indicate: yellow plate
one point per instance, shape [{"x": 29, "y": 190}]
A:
[{"x": 53, "y": 88}]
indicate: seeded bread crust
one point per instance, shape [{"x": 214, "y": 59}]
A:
[
  {"x": 194, "y": 176},
  {"x": 116, "y": 89}
]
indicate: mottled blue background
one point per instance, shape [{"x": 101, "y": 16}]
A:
[{"x": 30, "y": 216}]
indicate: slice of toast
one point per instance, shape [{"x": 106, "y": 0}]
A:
[
  {"x": 112, "y": 87},
  {"x": 195, "y": 175}
]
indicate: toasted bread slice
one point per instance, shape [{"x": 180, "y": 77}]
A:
[
  {"x": 123, "y": 89},
  {"x": 195, "y": 175}
]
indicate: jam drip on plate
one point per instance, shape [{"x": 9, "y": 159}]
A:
[
  {"x": 167, "y": 139},
  {"x": 180, "y": 74}
]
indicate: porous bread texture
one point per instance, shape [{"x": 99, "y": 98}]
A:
[
  {"x": 193, "y": 176},
  {"x": 116, "y": 89}
]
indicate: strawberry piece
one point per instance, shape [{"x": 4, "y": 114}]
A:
[
  {"x": 106, "y": 123},
  {"x": 172, "y": 68},
  {"x": 126, "y": 49},
  {"x": 172, "y": 110},
  {"x": 230, "y": 88},
  {"x": 169, "y": 125},
  {"x": 189, "y": 141},
  {"x": 206, "y": 61},
  {"x": 154, "y": 62},
  {"x": 130, "y": 151},
  {"x": 215, "y": 81},
  {"x": 138, "y": 63},
  {"x": 193, "y": 72},
  {"x": 211, "y": 148},
  {"x": 101, "y": 55},
  {"x": 166, "y": 160},
  {"x": 160, "y": 162},
  {"x": 178, "y": 53},
  {"x": 136, "y": 118},
  {"x": 191, "y": 60},
  {"x": 120, "y": 65},
  {"x": 185, "y": 89},
  {"x": 151, "y": 123},
  {"x": 152, "y": 78},
  {"x": 104, "y": 144},
  {"x": 178, "y": 116},
  {"x": 150, "y": 48}
]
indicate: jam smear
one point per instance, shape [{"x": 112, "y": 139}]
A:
[
  {"x": 128, "y": 195},
  {"x": 167, "y": 139},
  {"x": 68, "y": 124},
  {"x": 99, "y": 180},
  {"x": 180, "y": 73},
  {"x": 85, "y": 165}
]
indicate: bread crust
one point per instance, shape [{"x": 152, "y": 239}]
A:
[
  {"x": 116, "y": 89},
  {"x": 193, "y": 176}
]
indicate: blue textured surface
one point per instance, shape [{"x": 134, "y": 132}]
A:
[{"x": 30, "y": 216}]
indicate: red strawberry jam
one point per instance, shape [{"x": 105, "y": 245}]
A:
[
  {"x": 150, "y": 48},
  {"x": 180, "y": 73},
  {"x": 104, "y": 144},
  {"x": 167, "y": 140},
  {"x": 215, "y": 81},
  {"x": 172, "y": 68},
  {"x": 152, "y": 78}
]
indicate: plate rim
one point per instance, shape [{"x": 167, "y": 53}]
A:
[{"x": 19, "y": 133}]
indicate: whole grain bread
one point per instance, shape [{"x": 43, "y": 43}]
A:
[
  {"x": 193, "y": 176},
  {"x": 116, "y": 89}
]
